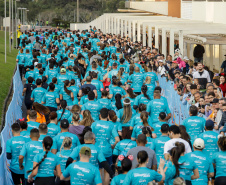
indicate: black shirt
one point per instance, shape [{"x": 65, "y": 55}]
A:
[{"x": 30, "y": 88}]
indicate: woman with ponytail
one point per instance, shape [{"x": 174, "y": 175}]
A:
[
  {"x": 44, "y": 165},
  {"x": 97, "y": 83},
  {"x": 152, "y": 73},
  {"x": 142, "y": 98},
  {"x": 126, "y": 113},
  {"x": 142, "y": 173},
  {"x": 87, "y": 118},
  {"x": 84, "y": 99},
  {"x": 75, "y": 90},
  {"x": 67, "y": 95},
  {"x": 122, "y": 76},
  {"x": 63, "y": 113},
  {"x": 117, "y": 125},
  {"x": 117, "y": 104},
  {"x": 151, "y": 86},
  {"x": 137, "y": 130},
  {"x": 53, "y": 128},
  {"x": 63, "y": 155},
  {"x": 219, "y": 162},
  {"x": 104, "y": 101},
  {"x": 76, "y": 128},
  {"x": 180, "y": 166},
  {"x": 150, "y": 141},
  {"x": 130, "y": 95},
  {"x": 136, "y": 119}
]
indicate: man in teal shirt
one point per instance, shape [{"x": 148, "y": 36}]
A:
[
  {"x": 32, "y": 123},
  {"x": 157, "y": 125},
  {"x": 210, "y": 138},
  {"x": 29, "y": 151},
  {"x": 88, "y": 174},
  {"x": 136, "y": 79},
  {"x": 156, "y": 106},
  {"x": 13, "y": 149},
  {"x": 194, "y": 125},
  {"x": 38, "y": 92},
  {"x": 104, "y": 131},
  {"x": 58, "y": 139},
  {"x": 202, "y": 161}
]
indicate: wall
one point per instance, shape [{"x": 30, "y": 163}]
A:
[
  {"x": 186, "y": 10},
  {"x": 219, "y": 12},
  {"x": 80, "y": 26},
  {"x": 174, "y": 8},
  {"x": 199, "y": 11}
]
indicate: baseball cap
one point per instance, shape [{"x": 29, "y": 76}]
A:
[
  {"x": 185, "y": 58},
  {"x": 199, "y": 143},
  {"x": 64, "y": 123},
  {"x": 160, "y": 61},
  {"x": 85, "y": 151},
  {"x": 215, "y": 100},
  {"x": 35, "y": 64},
  {"x": 209, "y": 123},
  {"x": 63, "y": 70}
]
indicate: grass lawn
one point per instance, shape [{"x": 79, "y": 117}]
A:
[{"x": 6, "y": 69}]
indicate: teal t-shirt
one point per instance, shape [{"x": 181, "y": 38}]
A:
[
  {"x": 29, "y": 151},
  {"x": 99, "y": 85},
  {"x": 137, "y": 130},
  {"x": 157, "y": 127},
  {"x": 137, "y": 81},
  {"x": 219, "y": 159},
  {"x": 187, "y": 165},
  {"x": 104, "y": 131},
  {"x": 136, "y": 120},
  {"x": 204, "y": 165},
  {"x": 62, "y": 115},
  {"x": 153, "y": 75},
  {"x": 83, "y": 173},
  {"x": 25, "y": 134},
  {"x": 116, "y": 90},
  {"x": 37, "y": 94},
  {"x": 105, "y": 103},
  {"x": 120, "y": 114},
  {"x": 63, "y": 156},
  {"x": 84, "y": 99},
  {"x": 14, "y": 147},
  {"x": 66, "y": 97},
  {"x": 58, "y": 140},
  {"x": 124, "y": 146},
  {"x": 41, "y": 137},
  {"x": 31, "y": 125},
  {"x": 47, "y": 167},
  {"x": 159, "y": 143},
  {"x": 155, "y": 107},
  {"x": 151, "y": 88},
  {"x": 194, "y": 126},
  {"x": 75, "y": 91},
  {"x": 141, "y": 175},
  {"x": 170, "y": 173},
  {"x": 53, "y": 129},
  {"x": 150, "y": 143},
  {"x": 142, "y": 99},
  {"x": 210, "y": 139},
  {"x": 50, "y": 99},
  {"x": 118, "y": 180},
  {"x": 96, "y": 158},
  {"x": 94, "y": 107}
]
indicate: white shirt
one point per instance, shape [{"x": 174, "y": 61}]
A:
[
  {"x": 171, "y": 143},
  {"x": 161, "y": 70}
]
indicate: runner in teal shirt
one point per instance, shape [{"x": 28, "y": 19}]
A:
[
  {"x": 29, "y": 150},
  {"x": 203, "y": 162},
  {"x": 219, "y": 160},
  {"x": 159, "y": 142},
  {"x": 142, "y": 173},
  {"x": 13, "y": 149},
  {"x": 194, "y": 125},
  {"x": 153, "y": 75},
  {"x": 156, "y": 106},
  {"x": 38, "y": 92},
  {"x": 143, "y": 97},
  {"x": 48, "y": 163},
  {"x": 51, "y": 98},
  {"x": 157, "y": 125},
  {"x": 136, "y": 79},
  {"x": 104, "y": 131},
  {"x": 93, "y": 106},
  {"x": 126, "y": 166},
  {"x": 58, "y": 140},
  {"x": 210, "y": 139}
]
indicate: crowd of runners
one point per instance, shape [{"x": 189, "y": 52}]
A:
[{"x": 96, "y": 114}]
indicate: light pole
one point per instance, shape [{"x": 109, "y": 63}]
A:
[
  {"x": 26, "y": 16},
  {"x": 5, "y": 31},
  {"x": 9, "y": 26},
  {"x": 16, "y": 19},
  {"x": 77, "y": 10}
]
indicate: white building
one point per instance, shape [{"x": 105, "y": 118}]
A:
[{"x": 160, "y": 21}]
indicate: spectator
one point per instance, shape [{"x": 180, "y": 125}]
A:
[{"x": 198, "y": 53}]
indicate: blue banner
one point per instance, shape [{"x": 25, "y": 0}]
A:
[{"x": 13, "y": 113}]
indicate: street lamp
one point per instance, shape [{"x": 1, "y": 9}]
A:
[
  {"x": 77, "y": 10},
  {"x": 16, "y": 19},
  {"x": 23, "y": 17}
]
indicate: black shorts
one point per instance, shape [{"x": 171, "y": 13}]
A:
[
  {"x": 60, "y": 182},
  {"x": 220, "y": 181},
  {"x": 45, "y": 180},
  {"x": 28, "y": 103},
  {"x": 188, "y": 182},
  {"x": 109, "y": 160},
  {"x": 17, "y": 178}
]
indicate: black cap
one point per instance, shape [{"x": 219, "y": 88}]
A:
[
  {"x": 215, "y": 100},
  {"x": 64, "y": 123}
]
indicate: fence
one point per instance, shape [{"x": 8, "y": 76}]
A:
[
  {"x": 13, "y": 113},
  {"x": 179, "y": 111}
]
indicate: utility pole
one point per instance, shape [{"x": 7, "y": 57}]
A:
[
  {"x": 5, "y": 31},
  {"x": 12, "y": 26},
  {"x": 77, "y": 10},
  {"x": 9, "y": 26}
]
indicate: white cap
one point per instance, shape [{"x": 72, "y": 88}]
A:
[
  {"x": 199, "y": 143},
  {"x": 160, "y": 61},
  {"x": 35, "y": 64},
  {"x": 185, "y": 58}
]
